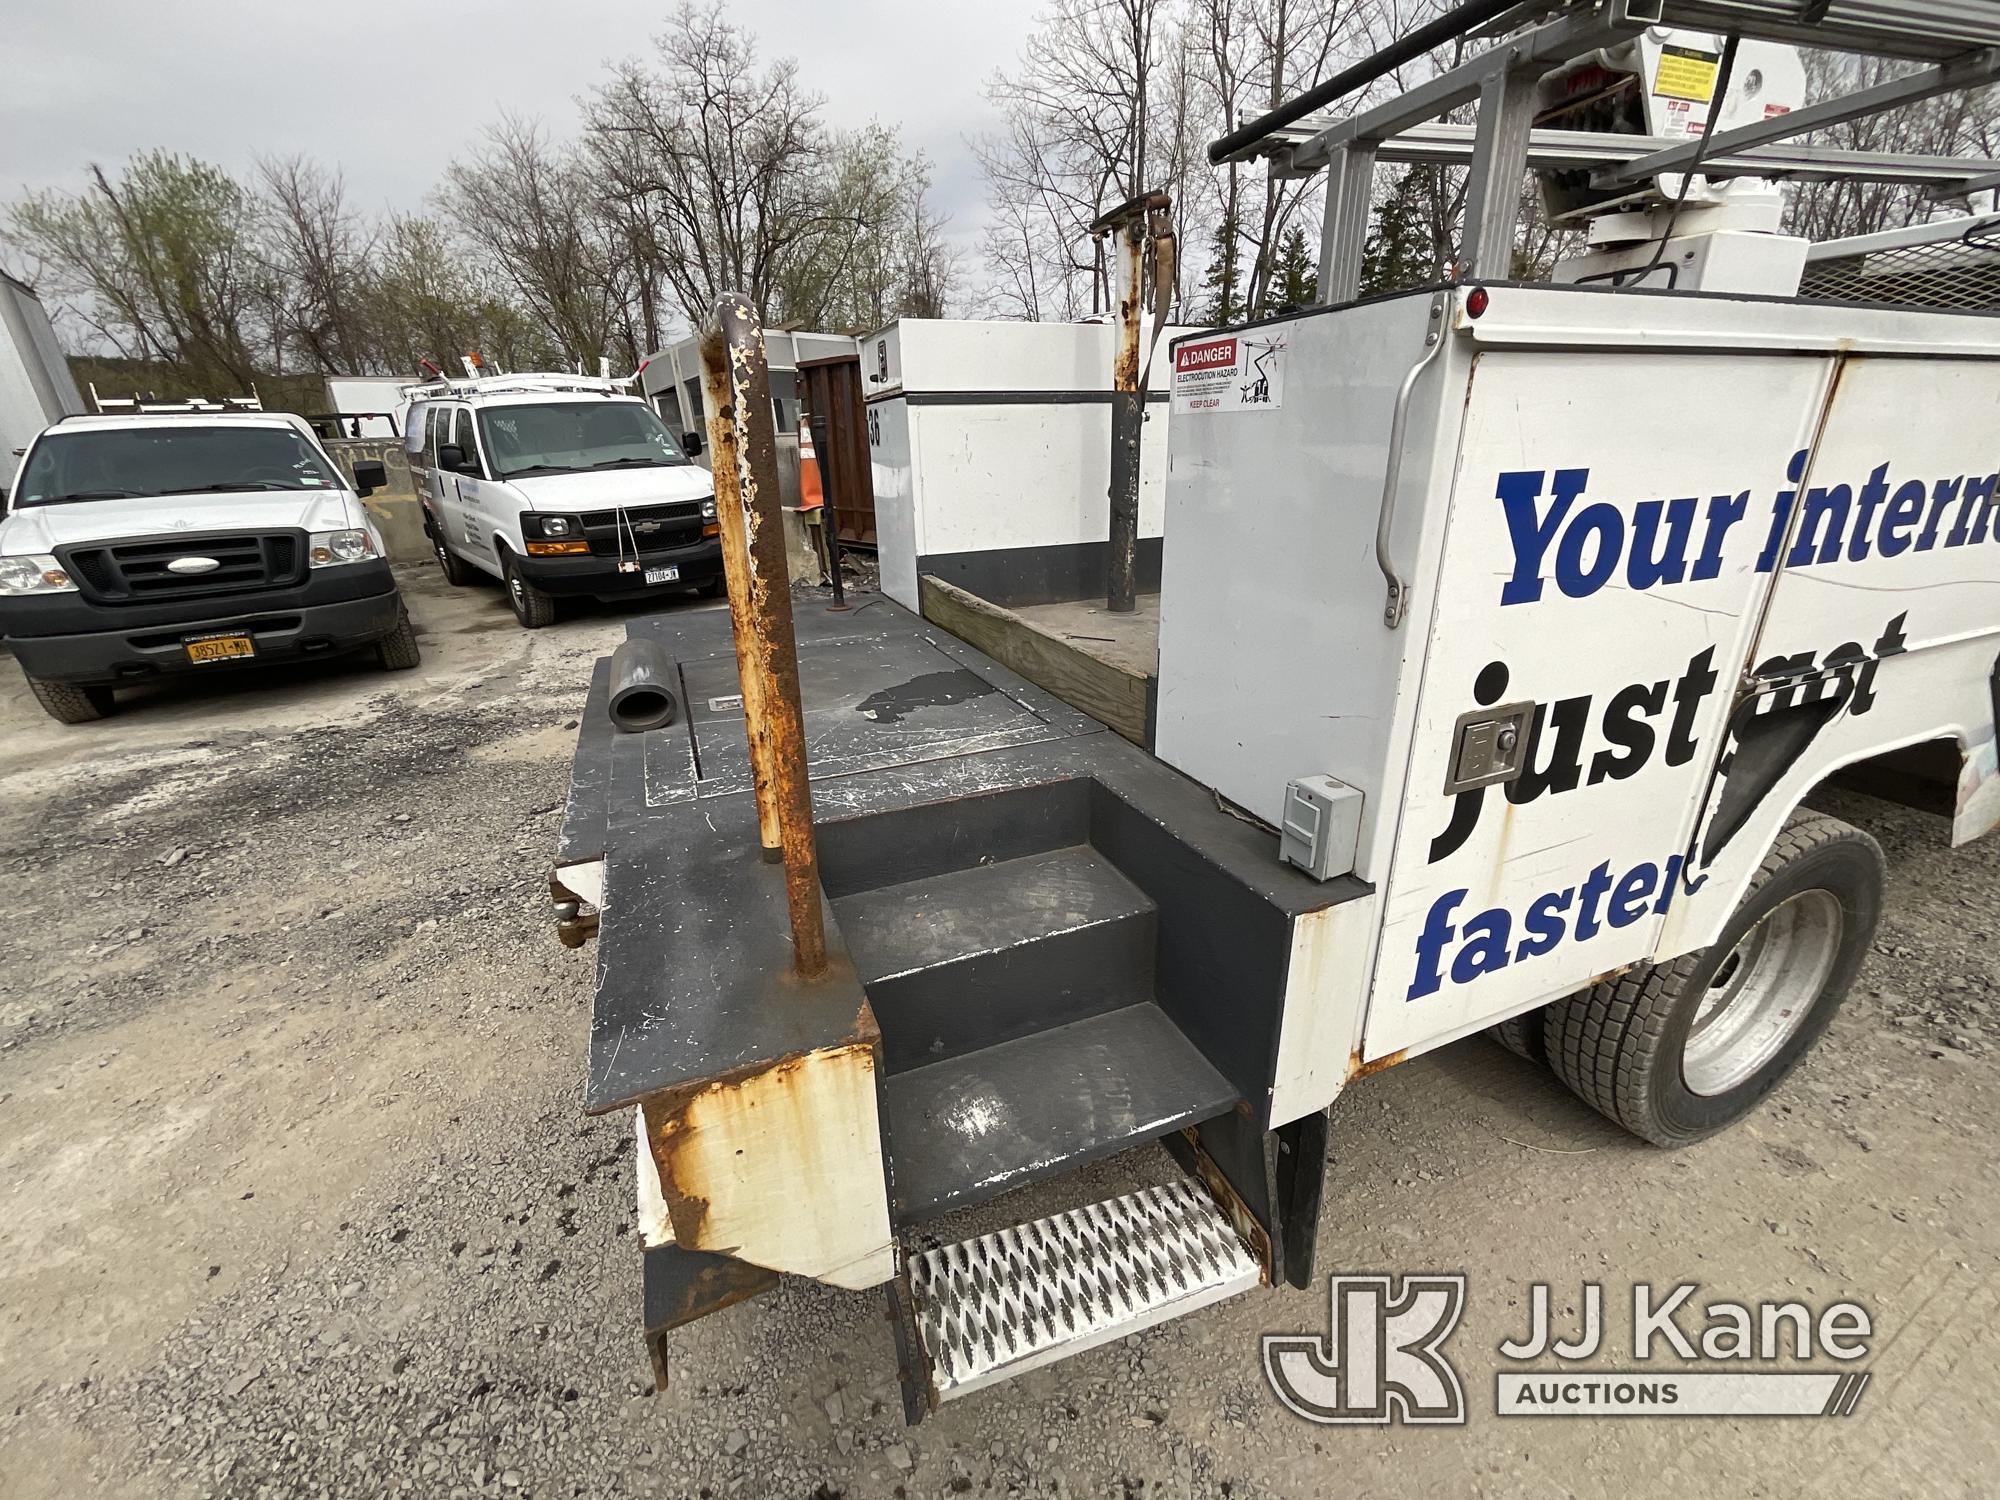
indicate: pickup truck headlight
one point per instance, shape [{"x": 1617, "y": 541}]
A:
[
  {"x": 37, "y": 573},
  {"x": 331, "y": 548}
]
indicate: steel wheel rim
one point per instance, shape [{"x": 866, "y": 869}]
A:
[
  {"x": 1761, "y": 993},
  {"x": 515, "y": 592},
  {"x": 444, "y": 558}
]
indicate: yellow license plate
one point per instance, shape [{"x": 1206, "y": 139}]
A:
[{"x": 220, "y": 647}]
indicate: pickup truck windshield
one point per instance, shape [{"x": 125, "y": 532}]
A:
[
  {"x": 121, "y": 463},
  {"x": 570, "y": 437}
]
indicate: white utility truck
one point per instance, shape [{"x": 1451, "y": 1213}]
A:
[
  {"x": 1505, "y": 629},
  {"x": 160, "y": 538},
  {"x": 559, "y": 486}
]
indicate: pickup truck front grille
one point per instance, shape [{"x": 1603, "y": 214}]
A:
[
  {"x": 140, "y": 571},
  {"x": 653, "y": 528}
]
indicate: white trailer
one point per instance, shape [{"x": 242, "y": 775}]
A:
[
  {"x": 36, "y": 387},
  {"x": 1505, "y": 631},
  {"x": 371, "y": 405}
]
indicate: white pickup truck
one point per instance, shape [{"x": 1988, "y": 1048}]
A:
[{"x": 201, "y": 540}]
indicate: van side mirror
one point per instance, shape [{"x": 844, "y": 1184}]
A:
[
  {"x": 370, "y": 475},
  {"x": 691, "y": 441},
  {"x": 451, "y": 457}
]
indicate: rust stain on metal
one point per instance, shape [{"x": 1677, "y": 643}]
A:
[
  {"x": 1240, "y": 1217},
  {"x": 676, "y": 1119},
  {"x": 723, "y": 457},
  {"x": 1357, "y": 1068},
  {"x": 772, "y": 655}
]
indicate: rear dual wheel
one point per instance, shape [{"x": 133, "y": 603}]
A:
[{"x": 1677, "y": 1051}]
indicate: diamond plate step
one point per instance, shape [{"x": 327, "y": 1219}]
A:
[{"x": 990, "y": 1308}]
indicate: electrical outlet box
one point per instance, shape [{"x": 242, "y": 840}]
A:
[{"x": 1321, "y": 826}]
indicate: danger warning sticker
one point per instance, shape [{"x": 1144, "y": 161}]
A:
[
  {"x": 1230, "y": 372},
  {"x": 1687, "y": 73}
]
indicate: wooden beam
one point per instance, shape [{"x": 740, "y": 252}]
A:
[{"x": 1109, "y": 694}]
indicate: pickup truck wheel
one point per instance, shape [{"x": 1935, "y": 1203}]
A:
[
  {"x": 532, "y": 607},
  {"x": 457, "y": 572},
  {"x": 1676, "y": 1051},
  {"x": 398, "y": 649},
  {"x": 714, "y": 588},
  {"x": 70, "y": 704}
]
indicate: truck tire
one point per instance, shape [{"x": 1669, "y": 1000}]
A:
[
  {"x": 1675, "y": 1052},
  {"x": 1521, "y": 1035},
  {"x": 398, "y": 650},
  {"x": 68, "y": 703},
  {"x": 531, "y": 606}
]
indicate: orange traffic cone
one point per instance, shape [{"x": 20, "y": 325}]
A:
[{"x": 811, "y": 495}]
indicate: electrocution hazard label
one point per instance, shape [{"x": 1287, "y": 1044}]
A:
[{"x": 1232, "y": 372}]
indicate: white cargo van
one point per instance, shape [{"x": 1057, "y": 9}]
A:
[{"x": 559, "y": 485}]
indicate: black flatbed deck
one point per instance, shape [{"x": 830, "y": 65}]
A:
[{"x": 926, "y": 758}]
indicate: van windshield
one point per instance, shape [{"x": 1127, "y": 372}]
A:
[
  {"x": 570, "y": 437},
  {"x": 121, "y": 463}
]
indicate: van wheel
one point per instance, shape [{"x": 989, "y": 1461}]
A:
[
  {"x": 1675, "y": 1052},
  {"x": 398, "y": 650},
  {"x": 68, "y": 703},
  {"x": 532, "y": 607},
  {"x": 457, "y": 572}
]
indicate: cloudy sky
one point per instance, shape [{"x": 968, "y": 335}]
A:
[{"x": 390, "y": 91}]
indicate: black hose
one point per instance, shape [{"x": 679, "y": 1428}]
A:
[
  {"x": 1709, "y": 132},
  {"x": 1448, "y": 27},
  {"x": 642, "y": 687}
]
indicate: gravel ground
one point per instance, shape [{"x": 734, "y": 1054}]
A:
[{"x": 302, "y": 1200}]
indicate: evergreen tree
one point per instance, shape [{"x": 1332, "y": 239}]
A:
[
  {"x": 1402, "y": 253},
  {"x": 1223, "y": 281},
  {"x": 1295, "y": 273}
]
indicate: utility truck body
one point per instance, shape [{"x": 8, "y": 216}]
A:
[
  {"x": 1673, "y": 547},
  {"x": 1505, "y": 630}
]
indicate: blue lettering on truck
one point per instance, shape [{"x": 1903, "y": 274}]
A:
[{"x": 1560, "y": 533}]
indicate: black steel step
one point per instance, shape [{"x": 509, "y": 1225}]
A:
[
  {"x": 957, "y": 962},
  {"x": 972, "y": 1127}
]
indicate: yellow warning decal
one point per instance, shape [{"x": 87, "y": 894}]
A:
[{"x": 1686, "y": 73}]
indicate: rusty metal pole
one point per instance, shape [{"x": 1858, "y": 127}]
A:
[
  {"x": 724, "y": 463},
  {"x": 773, "y": 656},
  {"x": 1127, "y": 414}
]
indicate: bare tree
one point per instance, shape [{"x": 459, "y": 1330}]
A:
[
  {"x": 1076, "y": 140},
  {"x": 316, "y": 251},
  {"x": 720, "y": 161},
  {"x": 541, "y": 217},
  {"x": 1955, "y": 124}
]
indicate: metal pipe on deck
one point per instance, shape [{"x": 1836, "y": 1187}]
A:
[
  {"x": 772, "y": 656},
  {"x": 829, "y": 510}
]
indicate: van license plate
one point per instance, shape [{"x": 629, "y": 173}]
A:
[
  {"x": 662, "y": 575},
  {"x": 218, "y": 647}
]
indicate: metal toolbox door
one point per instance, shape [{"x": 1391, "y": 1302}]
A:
[
  {"x": 1884, "y": 619},
  {"x": 1599, "y": 577}
]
